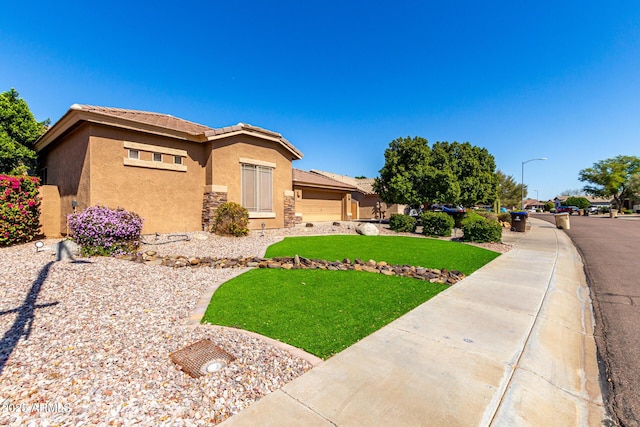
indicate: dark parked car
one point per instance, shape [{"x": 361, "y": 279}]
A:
[{"x": 567, "y": 209}]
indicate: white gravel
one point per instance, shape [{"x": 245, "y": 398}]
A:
[{"x": 88, "y": 342}]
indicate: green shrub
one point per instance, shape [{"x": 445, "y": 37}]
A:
[
  {"x": 488, "y": 215},
  {"x": 628, "y": 211},
  {"x": 100, "y": 230},
  {"x": 231, "y": 219},
  {"x": 437, "y": 224},
  {"x": 402, "y": 223},
  {"x": 19, "y": 209},
  {"x": 478, "y": 229},
  {"x": 504, "y": 217}
]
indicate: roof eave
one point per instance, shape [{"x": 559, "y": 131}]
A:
[{"x": 76, "y": 115}]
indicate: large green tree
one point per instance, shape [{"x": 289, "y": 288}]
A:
[
  {"x": 457, "y": 173},
  {"x": 509, "y": 192},
  {"x": 474, "y": 170},
  {"x": 611, "y": 178},
  {"x": 18, "y": 131}
]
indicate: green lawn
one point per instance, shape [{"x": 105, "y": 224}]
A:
[
  {"x": 324, "y": 312},
  {"x": 430, "y": 253},
  {"x": 320, "y": 311}
]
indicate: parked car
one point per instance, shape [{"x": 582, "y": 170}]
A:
[
  {"x": 446, "y": 208},
  {"x": 567, "y": 209}
]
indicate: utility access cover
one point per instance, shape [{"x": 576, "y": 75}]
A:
[{"x": 201, "y": 358}]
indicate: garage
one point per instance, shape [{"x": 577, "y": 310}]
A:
[{"x": 318, "y": 198}]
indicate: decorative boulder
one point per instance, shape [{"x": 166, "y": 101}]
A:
[{"x": 367, "y": 229}]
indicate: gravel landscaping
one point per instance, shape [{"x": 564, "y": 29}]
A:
[{"x": 87, "y": 342}]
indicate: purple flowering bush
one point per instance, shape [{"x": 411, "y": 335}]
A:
[
  {"x": 107, "y": 232},
  {"x": 19, "y": 209}
]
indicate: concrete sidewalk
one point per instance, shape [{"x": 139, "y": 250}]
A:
[{"x": 510, "y": 345}]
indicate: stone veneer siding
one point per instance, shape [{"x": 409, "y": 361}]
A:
[
  {"x": 211, "y": 202},
  {"x": 290, "y": 218}
]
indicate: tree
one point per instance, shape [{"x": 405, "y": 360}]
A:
[
  {"x": 475, "y": 172},
  {"x": 509, "y": 192},
  {"x": 456, "y": 173},
  {"x": 405, "y": 168},
  {"x": 579, "y": 202},
  {"x": 576, "y": 192},
  {"x": 18, "y": 132},
  {"x": 611, "y": 178}
]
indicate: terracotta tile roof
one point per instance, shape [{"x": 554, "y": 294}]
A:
[
  {"x": 316, "y": 180},
  {"x": 156, "y": 122},
  {"x": 364, "y": 185},
  {"x": 155, "y": 119}
]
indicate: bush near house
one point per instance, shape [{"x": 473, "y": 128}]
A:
[
  {"x": 231, "y": 219},
  {"x": 437, "y": 224},
  {"x": 402, "y": 223},
  {"x": 19, "y": 209},
  {"x": 100, "y": 230},
  {"x": 504, "y": 217},
  {"x": 479, "y": 229}
]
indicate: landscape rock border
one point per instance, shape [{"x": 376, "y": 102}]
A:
[{"x": 297, "y": 262}]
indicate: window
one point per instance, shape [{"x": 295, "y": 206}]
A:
[
  {"x": 134, "y": 154},
  {"x": 257, "y": 188},
  {"x": 157, "y": 157},
  {"x": 177, "y": 160}
]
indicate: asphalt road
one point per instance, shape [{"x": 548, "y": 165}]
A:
[{"x": 610, "y": 250}]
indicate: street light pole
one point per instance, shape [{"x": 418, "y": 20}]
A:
[{"x": 522, "y": 180}]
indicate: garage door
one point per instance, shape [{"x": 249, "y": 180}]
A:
[{"x": 320, "y": 205}]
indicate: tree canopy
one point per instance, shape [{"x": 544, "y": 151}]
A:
[
  {"x": 18, "y": 132},
  {"x": 509, "y": 192},
  {"x": 456, "y": 173},
  {"x": 577, "y": 201},
  {"x": 611, "y": 178}
]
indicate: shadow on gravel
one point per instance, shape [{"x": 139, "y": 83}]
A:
[{"x": 26, "y": 314}]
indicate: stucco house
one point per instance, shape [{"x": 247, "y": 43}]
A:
[
  {"x": 366, "y": 203},
  {"x": 172, "y": 172}
]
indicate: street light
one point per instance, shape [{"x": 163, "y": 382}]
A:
[{"x": 522, "y": 181}]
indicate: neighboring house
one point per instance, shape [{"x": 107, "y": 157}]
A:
[
  {"x": 366, "y": 203},
  {"x": 595, "y": 201},
  {"x": 533, "y": 204},
  {"x": 319, "y": 198},
  {"x": 172, "y": 172}
]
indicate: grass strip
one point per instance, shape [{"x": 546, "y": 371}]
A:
[{"x": 322, "y": 312}]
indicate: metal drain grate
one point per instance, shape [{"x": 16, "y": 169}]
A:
[{"x": 200, "y": 358}]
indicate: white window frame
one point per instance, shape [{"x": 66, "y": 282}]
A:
[
  {"x": 178, "y": 160},
  {"x": 154, "y": 157},
  {"x": 257, "y": 210},
  {"x": 134, "y": 154}
]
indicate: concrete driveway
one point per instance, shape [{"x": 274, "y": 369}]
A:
[{"x": 610, "y": 250}]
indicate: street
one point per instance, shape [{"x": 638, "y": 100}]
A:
[{"x": 610, "y": 249}]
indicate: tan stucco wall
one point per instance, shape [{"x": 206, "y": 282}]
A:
[
  {"x": 88, "y": 166},
  {"x": 68, "y": 168},
  {"x": 225, "y": 169},
  {"x": 367, "y": 208},
  {"x": 49, "y": 211},
  {"x": 167, "y": 200}
]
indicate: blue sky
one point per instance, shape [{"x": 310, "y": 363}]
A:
[{"x": 341, "y": 79}]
